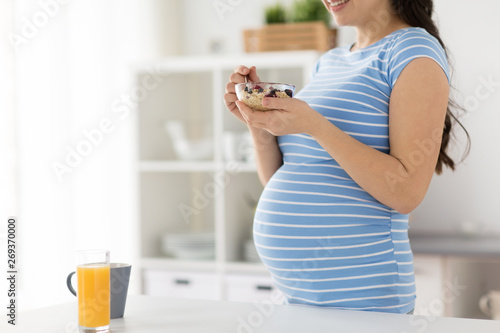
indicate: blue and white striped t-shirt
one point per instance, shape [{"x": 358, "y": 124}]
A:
[{"x": 325, "y": 240}]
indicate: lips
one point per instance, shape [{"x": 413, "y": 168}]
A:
[{"x": 336, "y": 5}]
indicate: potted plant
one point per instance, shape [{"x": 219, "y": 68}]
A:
[
  {"x": 275, "y": 14},
  {"x": 304, "y": 27}
]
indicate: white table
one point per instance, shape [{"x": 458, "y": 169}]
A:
[{"x": 147, "y": 314}]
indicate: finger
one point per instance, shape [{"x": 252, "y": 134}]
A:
[
  {"x": 238, "y": 114},
  {"x": 251, "y": 114},
  {"x": 242, "y": 70},
  {"x": 239, "y": 107},
  {"x": 252, "y": 75},
  {"x": 246, "y": 112},
  {"x": 254, "y": 118},
  {"x": 277, "y": 103},
  {"x": 229, "y": 102},
  {"x": 236, "y": 78},
  {"x": 244, "y": 109},
  {"x": 230, "y": 88},
  {"x": 230, "y": 99}
]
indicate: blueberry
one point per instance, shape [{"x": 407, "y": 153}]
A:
[
  {"x": 260, "y": 90},
  {"x": 272, "y": 93},
  {"x": 246, "y": 89},
  {"x": 289, "y": 92}
]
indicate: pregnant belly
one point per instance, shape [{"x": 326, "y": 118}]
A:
[
  {"x": 315, "y": 196},
  {"x": 316, "y": 232}
]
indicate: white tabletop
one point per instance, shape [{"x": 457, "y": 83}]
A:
[{"x": 147, "y": 314}]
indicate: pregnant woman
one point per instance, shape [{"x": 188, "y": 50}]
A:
[{"x": 347, "y": 159}]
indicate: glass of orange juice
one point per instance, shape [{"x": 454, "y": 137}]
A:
[{"x": 93, "y": 290}]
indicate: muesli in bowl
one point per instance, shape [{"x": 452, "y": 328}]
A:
[{"x": 252, "y": 93}]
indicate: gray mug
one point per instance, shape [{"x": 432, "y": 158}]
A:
[{"x": 119, "y": 279}]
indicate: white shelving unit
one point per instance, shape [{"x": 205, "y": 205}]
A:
[{"x": 209, "y": 195}]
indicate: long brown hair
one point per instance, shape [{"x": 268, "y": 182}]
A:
[{"x": 418, "y": 13}]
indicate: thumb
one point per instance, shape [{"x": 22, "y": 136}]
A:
[{"x": 252, "y": 76}]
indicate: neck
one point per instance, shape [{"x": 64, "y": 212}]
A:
[{"x": 375, "y": 30}]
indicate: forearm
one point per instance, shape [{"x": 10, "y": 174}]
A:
[
  {"x": 268, "y": 156},
  {"x": 384, "y": 176}
]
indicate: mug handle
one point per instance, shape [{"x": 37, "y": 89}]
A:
[
  {"x": 484, "y": 304},
  {"x": 68, "y": 283}
]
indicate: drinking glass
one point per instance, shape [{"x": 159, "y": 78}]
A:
[{"x": 93, "y": 271}]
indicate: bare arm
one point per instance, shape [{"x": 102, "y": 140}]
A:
[
  {"x": 417, "y": 111},
  {"x": 267, "y": 153}
]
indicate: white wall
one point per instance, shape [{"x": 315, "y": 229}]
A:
[
  {"x": 471, "y": 193},
  {"x": 205, "y": 22}
]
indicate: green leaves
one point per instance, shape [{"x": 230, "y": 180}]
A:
[
  {"x": 301, "y": 11},
  {"x": 309, "y": 10},
  {"x": 276, "y": 14}
]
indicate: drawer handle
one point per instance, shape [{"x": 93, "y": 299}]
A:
[
  {"x": 181, "y": 281},
  {"x": 264, "y": 288}
]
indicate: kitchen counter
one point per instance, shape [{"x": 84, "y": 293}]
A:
[
  {"x": 456, "y": 245},
  {"x": 160, "y": 314}
]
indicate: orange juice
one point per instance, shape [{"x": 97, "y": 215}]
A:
[{"x": 93, "y": 295}]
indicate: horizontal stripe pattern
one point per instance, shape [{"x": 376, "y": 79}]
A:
[{"x": 323, "y": 238}]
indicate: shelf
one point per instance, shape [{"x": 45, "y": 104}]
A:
[
  {"x": 195, "y": 166},
  {"x": 196, "y": 64},
  {"x": 177, "y": 166},
  {"x": 245, "y": 267},
  {"x": 236, "y": 167},
  {"x": 218, "y": 193},
  {"x": 177, "y": 264}
]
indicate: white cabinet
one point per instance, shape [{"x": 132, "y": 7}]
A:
[
  {"x": 428, "y": 280},
  {"x": 201, "y": 191},
  {"x": 181, "y": 284},
  {"x": 251, "y": 288}
]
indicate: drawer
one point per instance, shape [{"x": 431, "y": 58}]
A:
[
  {"x": 181, "y": 284},
  {"x": 251, "y": 288}
]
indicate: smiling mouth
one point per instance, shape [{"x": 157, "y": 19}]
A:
[{"x": 336, "y": 3}]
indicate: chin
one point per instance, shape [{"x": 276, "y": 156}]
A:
[{"x": 341, "y": 21}]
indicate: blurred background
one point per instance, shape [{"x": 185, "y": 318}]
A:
[{"x": 80, "y": 161}]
